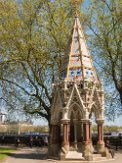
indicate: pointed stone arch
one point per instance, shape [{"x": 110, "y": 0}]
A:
[
  {"x": 95, "y": 110},
  {"x": 75, "y": 108},
  {"x": 75, "y": 94}
]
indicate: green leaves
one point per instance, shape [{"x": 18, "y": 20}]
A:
[
  {"x": 32, "y": 33},
  {"x": 105, "y": 23}
]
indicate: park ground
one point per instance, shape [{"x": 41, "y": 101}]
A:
[{"x": 38, "y": 155}]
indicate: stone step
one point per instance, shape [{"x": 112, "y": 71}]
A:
[
  {"x": 73, "y": 149},
  {"x": 97, "y": 157},
  {"x": 74, "y": 155}
]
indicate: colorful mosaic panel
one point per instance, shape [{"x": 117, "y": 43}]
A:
[
  {"x": 75, "y": 72},
  {"x": 89, "y": 73}
]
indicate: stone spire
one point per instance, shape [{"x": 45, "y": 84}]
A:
[{"x": 77, "y": 63}]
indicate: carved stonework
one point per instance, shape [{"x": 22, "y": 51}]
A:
[{"x": 76, "y": 96}]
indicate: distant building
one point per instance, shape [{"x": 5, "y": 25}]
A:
[
  {"x": 22, "y": 127},
  {"x": 2, "y": 118}
]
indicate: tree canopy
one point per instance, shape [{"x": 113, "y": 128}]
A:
[
  {"x": 104, "y": 22},
  {"x": 34, "y": 35}
]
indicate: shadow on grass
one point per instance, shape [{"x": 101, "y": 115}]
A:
[{"x": 35, "y": 156}]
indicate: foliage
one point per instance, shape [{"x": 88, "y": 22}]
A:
[
  {"x": 104, "y": 22},
  {"x": 17, "y": 128},
  {"x": 33, "y": 36},
  {"x": 108, "y": 129},
  {"x": 4, "y": 152}
]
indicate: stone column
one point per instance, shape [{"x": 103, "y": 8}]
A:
[
  {"x": 90, "y": 133},
  {"x": 86, "y": 132},
  {"x": 65, "y": 142},
  {"x": 66, "y": 135},
  {"x": 75, "y": 134},
  {"x": 100, "y": 131},
  {"x": 100, "y": 143},
  {"x": 87, "y": 149},
  {"x": 81, "y": 131}
]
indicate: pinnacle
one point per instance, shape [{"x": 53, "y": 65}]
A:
[{"x": 78, "y": 63}]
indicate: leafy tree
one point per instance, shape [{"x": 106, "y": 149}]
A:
[
  {"x": 107, "y": 129},
  {"x": 104, "y": 22},
  {"x": 33, "y": 36}
]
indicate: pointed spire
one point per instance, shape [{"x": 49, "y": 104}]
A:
[{"x": 77, "y": 63}]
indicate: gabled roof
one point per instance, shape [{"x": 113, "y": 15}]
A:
[{"x": 77, "y": 65}]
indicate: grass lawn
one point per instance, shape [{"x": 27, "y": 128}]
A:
[{"x": 4, "y": 152}]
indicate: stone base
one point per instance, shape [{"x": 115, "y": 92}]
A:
[
  {"x": 53, "y": 150},
  {"x": 64, "y": 150},
  {"x": 106, "y": 153},
  {"x": 80, "y": 148},
  {"x": 88, "y": 151},
  {"x": 101, "y": 148}
]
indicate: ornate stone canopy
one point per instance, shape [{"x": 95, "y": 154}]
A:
[{"x": 77, "y": 95}]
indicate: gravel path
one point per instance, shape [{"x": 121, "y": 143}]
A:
[{"x": 38, "y": 155}]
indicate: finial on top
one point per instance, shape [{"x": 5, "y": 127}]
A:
[{"x": 77, "y": 3}]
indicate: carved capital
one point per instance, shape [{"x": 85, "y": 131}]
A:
[
  {"x": 85, "y": 121},
  {"x": 65, "y": 121},
  {"x": 100, "y": 121}
]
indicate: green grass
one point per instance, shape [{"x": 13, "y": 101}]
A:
[{"x": 4, "y": 152}]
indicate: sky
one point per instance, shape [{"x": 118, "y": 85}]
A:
[
  {"x": 86, "y": 2},
  {"x": 117, "y": 121}
]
